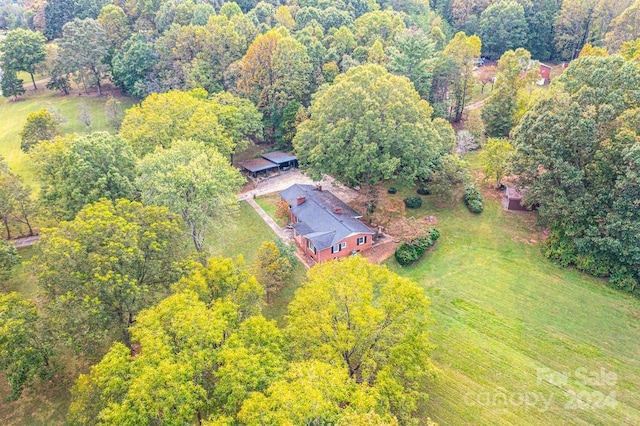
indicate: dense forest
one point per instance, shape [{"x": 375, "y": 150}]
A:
[{"x": 130, "y": 305}]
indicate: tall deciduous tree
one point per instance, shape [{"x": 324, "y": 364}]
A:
[
  {"x": 40, "y": 126},
  {"x": 578, "y": 158},
  {"x": 462, "y": 50},
  {"x": 97, "y": 272},
  {"x": 370, "y": 125},
  {"x": 503, "y": 27},
  {"x": 540, "y": 15},
  {"x": 500, "y": 108},
  {"x": 114, "y": 21},
  {"x": 384, "y": 25},
  {"x": 273, "y": 269},
  {"x": 367, "y": 319},
  {"x": 199, "y": 359},
  {"x": 228, "y": 44},
  {"x": 194, "y": 181},
  {"x": 11, "y": 85},
  {"x": 74, "y": 172},
  {"x": 24, "y": 351},
  {"x": 496, "y": 158},
  {"x": 9, "y": 258},
  {"x": 56, "y": 14},
  {"x": 625, "y": 27},
  {"x": 573, "y": 26},
  {"x": 16, "y": 204},
  {"x": 22, "y": 50},
  {"x": 275, "y": 71},
  {"x": 83, "y": 48},
  {"x": 224, "y": 122},
  {"x": 310, "y": 392},
  {"x": 132, "y": 65}
]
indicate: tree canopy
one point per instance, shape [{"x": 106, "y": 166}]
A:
[
  {"x": 223, "y": 122},
  {"x": 503, "y": 27},
  {"x": 370, "y": 125},
  {"x": 370, "y": 321},
  {"x": 98, "y": 271},
  {"x": 83, "y": 49},
  {"x": 577, "y": 158},
  {"x": 22, "y": 50},
  {"x": 40, "y": 126},
  {"x": 76, "y": 171},
  {"x": 192, "y": 180},
  {"x": 355, "y": 351}
]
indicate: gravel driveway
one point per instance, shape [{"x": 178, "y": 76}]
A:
[{"x": 286, "y": 179}]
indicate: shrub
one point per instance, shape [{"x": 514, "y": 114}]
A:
[
  {"x": 423, "y": 190},
  {"x": 410, "y": 252},
  {"x": 473, "y": 199},
  {"x": 413, "y": 202},
  {"x": 392, "y": 190}
]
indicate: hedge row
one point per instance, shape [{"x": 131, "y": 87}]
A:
[
  {"x": 409, "y": 252},
  {"x": 473, "y": 199}
]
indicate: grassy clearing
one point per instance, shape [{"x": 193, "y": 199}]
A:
[
  {"x": 47, "y": 407},
  {"x": 241, "y": 236},
  {"x": 269, "y": 204},
  {"x": 14, "y": 115},
  {"x": 504, "y": 314},
  {"x": 244, "y": 236},
  {"x": 20, "y": 280}
]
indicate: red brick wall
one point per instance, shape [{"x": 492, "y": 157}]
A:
[{"x": 326, "y": 254}]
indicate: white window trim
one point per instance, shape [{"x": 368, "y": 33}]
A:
[
  {"x": 340, "y": 246},
  {"x": 311, "y": 247},
  {"x": 361, "y": 240}
]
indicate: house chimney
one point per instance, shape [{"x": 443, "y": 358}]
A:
[
  {"x": 337, "y": 210},
  {"x": 301, "y": 199},
  {"x": 319, "y": 187}
]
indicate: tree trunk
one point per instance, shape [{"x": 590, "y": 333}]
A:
[
  {"x": 126, "y": 338},
  {"x": 33, "y": 80},
  {"x": 6, "y": 225}
]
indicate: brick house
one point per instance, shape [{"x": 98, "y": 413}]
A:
[{"x": 324, "y": 227}]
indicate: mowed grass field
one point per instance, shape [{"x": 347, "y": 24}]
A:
[
  {"x": 521, "y": 341},
  {"x": 13, "y": 115}
]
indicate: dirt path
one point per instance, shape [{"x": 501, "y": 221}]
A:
[
  {"x": 26, "y": 241},
  {"x": 475, "y": 105}
]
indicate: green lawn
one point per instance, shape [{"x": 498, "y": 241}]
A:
[
  {"x": 506, "y": 320},
  {"x": 20, "y": 280},
  {"x": 14, "y": 115},
  {"x": 244, "y": 237},
  {"x": 503, "y": 314},
  {"x": 269, "y": 204}
]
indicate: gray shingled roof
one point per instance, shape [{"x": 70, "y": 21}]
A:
[{"x": 318, "y": 220}]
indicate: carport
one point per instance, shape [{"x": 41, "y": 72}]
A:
[{"x": 257, "y": 165}]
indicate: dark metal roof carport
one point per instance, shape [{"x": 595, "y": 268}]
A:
[
  {"x": 257, "y": 165},
  {"x": 282, "y": 159}
]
